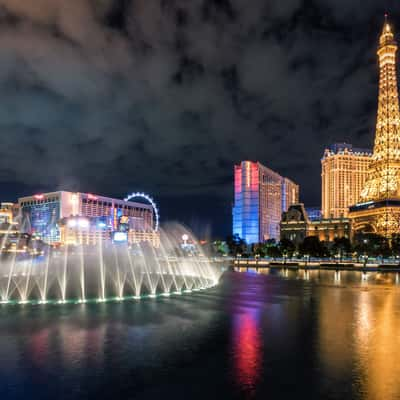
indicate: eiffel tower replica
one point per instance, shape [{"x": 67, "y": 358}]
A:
[{"x": 379, "y": 208}]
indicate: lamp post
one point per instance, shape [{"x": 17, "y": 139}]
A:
[
  {"x": 257, "y": 256},
  {"x": 238, "y": 255}
]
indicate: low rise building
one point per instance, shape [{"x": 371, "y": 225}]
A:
[{"x": 296, "y": 226}]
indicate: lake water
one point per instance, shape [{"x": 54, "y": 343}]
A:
[{"x": 278, "y": 335}]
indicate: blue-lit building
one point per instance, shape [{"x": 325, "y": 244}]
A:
[{"x": 260, "y": 197}]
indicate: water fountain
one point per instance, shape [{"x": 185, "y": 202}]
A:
[{"x": 107, "y": 272}]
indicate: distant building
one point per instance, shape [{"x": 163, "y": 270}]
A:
[
  {"x": 92, "y": 230},
  {"x": 8, "y": 213},
  {"x": 46, "y": 215},
  {"x": 314, "y": 213},
  {"x": 296, "y": 226},
  {"x": 290, "y": 193},
  {"x": 344, "y": 172},
  {"x": 261, "y": 195}
]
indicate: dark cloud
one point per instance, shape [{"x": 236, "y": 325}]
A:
[{"x": 165, "y": 96}]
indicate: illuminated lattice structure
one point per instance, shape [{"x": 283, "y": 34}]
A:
[{"x": 379, "y": 210}]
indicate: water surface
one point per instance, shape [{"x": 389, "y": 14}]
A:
[{"x": 278, "y": 335}]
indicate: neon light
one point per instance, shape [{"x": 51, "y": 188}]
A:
[
  {"x": 248, "y": 174},
  {"x": 153, "y": 204}
]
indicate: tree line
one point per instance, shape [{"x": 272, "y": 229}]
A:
[{"x": 371, "y": 245}]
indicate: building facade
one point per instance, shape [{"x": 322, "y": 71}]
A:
[
  {"x": 296, "y": 226},
  {"x": 378, "y": 210},
  {"x": 344, "y": 171},
  {"x": 261, "y": 195},
  {"x": 43, "y": 215}
]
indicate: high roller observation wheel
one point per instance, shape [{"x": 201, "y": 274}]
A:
[{"x": 151, "y": 201}]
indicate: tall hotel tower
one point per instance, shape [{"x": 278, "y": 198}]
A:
[
  {"x": 344, "y": 170},
  {"x": 379, "y": 209},
  {"x": 261, "y": 195}
]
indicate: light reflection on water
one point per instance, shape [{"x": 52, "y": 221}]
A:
[{"x": 277, "y": 334}]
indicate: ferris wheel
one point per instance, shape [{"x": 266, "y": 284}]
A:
[{"x": 152, "y": 203}]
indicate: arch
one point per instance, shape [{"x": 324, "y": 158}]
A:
[
  {"x": 365, "y": 227},
  {"x": 153, "y": 204}
]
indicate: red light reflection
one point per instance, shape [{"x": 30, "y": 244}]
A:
[{"x": 247, "y": 351}]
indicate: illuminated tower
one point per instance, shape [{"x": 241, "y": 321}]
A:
[{"x": 379, "y": 210}]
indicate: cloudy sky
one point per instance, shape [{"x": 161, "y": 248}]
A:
[{"x": 112, "y": 96}]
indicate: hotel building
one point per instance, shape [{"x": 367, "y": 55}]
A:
[
  {"x": 344, "y": 172},
  {"x": 68, "y": 217},
  {"x": 261, "y": 195}
]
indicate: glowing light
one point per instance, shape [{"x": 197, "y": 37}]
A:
[
  {"x": 248, "y": 174},
  {"x": 72, "y": 223},
  {"x": 39, "y": 196},
  {"x": 75, "y": 203},
  {"x": 92, "y": 197},
  {"x": 120, "y": 237},
  {"x": 248, "y": 347},
  {"x": 83, "y": 223}
]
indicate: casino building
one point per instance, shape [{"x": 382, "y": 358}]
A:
[
  {"x": 344, "y": 171},
  {"x": 82, "y": 218},
  {"x": 261, "y": 195}
]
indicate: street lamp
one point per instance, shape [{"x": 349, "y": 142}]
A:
[{"x": 185, "y": 238}]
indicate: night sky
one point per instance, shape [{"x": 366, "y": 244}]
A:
[{"x": 164, "y": 96}]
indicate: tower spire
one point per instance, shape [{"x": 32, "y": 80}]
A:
[
  {"x": 381, "y": 193},
  {"x": 384, "y": 181}
]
